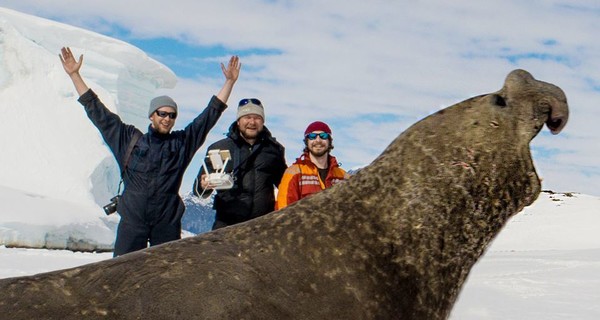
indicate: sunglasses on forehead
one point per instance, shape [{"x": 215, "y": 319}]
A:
[
  {"x": 164, "y": 114},
  {"x": 244, "y": 102},
  {"x": 322, "y": 135}
]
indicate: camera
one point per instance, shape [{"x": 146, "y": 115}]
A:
[
  {"x": 112, "y": 206},
  {"x": 219, "y": 179}
]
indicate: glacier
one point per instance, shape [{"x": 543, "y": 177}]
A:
[{"x": 51, "y": 152}]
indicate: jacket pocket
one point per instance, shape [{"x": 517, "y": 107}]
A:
[{"x": 139, "y": 160}]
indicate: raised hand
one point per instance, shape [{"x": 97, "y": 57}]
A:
[
  {"x": 69, "y": 63},
  {"x": 232, "y": 71},
  {"x": 72, "y": 69}
]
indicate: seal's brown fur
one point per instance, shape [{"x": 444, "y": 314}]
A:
[{"x": 396, "y": 241}]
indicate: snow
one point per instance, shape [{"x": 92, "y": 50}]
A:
[
  {"x": 544, "y": 264},
  {"x": 30, "y": 220},
  {"x": 57, "y": 173},
  {"x": 15, "y": 262}
]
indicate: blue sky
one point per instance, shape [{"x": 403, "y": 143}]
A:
[
  {"x": 183, "y": 66},
  {"x": 187, "y": 55},
  {"x": 369, "y": 69}
]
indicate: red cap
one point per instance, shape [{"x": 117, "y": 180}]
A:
[{"x": 317, "y": 126}]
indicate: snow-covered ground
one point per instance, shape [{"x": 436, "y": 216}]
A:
[{"x": 545, "y": 264}]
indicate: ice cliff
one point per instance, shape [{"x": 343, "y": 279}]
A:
[{"x": 54, "y": 161}]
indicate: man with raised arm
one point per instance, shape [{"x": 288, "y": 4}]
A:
[{"x": 150, "y": 207}]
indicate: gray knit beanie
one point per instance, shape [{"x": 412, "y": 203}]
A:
[
  {"x": 250, "y": 106},
  {"x": 162, "y": 101}
]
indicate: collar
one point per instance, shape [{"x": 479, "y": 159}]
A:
[
  {"x": 304, "y": 159},
  {"x": 155, "y": 134}
]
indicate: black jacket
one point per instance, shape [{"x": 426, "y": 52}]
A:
[
  {"x": 257, "y": 170},
  {"x": 158, "y": 161}
]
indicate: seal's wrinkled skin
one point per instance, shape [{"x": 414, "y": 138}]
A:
[{"x": 396, "y": 241}]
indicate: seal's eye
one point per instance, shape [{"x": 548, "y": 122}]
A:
[{"x": 499, "y": 101}]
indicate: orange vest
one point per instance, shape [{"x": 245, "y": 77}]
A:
[{"x": 302, "y": 179}]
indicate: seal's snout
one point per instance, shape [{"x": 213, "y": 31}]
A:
[
  {"x": 556, "y": 124},
  {"x": 559, "y": 109},
  {"x": 549, "y": 99}
]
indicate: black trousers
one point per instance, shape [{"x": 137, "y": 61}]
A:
[{"x": 137, "y": 235}]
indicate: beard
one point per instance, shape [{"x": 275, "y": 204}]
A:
[
  {"x": 161, "y": 128},
  {"x": 164, "y": 130},
  {"x": 318, "y": 153},
  {"x": 249, "y": 133}
]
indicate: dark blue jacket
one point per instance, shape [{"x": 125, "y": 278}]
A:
[
  {"x": 158, "y": 161},
  {"x": 257, "y": 170}
]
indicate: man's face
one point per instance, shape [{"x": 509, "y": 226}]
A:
[
  {"x": 250, "y": 125},
  {"x": 318, "y": 146},
  {"x": 161, "y": 119}
]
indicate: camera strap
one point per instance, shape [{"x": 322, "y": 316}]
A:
[
  {"x": 252, "y": 154},
  {"x": 136, "y": 136}
]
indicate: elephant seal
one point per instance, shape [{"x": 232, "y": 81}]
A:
[{"x": 396, "y": 241}]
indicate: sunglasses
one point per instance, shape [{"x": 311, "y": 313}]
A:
[
  {"x": 322, "y": 135},
  {"x": 163, "y": 114},
  {"x": 244, "y": 102}
]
